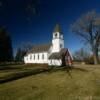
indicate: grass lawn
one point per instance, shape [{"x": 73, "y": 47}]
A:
[{"x": 80, "y": 83}]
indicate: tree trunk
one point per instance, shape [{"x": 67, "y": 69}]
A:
[{"x": 95, "y": 56}]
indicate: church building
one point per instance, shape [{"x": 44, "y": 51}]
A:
[{"x": 53, "y": 53}]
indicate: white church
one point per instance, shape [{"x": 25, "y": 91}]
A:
[{"x": 53, "y": 53}]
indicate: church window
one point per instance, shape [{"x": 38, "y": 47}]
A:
[
  {"x": 60, "y": 45},
  {"x": 42, "y": 56},
  {"x": 38, "y": 56}
]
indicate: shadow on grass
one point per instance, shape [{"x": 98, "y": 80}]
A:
[
  {"x": 68, "y": 69},
  {"x": 62, "y": 68},
  {"x": 80, "y": 69},
  {"x": 18, "y": 75},
  {"x": 8, "y": 68},
  {"x": 11, "y": 66},
  {"x": 22, "y": 74}
]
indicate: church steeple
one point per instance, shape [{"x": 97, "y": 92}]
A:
[{"x": 57, "y": 41}]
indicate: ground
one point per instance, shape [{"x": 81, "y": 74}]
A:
[{"x": 82, "y": 82}]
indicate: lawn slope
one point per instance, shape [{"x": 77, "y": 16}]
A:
[{"x": 80, "y": 83}]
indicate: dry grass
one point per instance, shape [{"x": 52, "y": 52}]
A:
[{"x": 80, "y": 83}]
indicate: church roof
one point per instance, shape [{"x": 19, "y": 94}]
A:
[
  {"x": 40, "y": 48},
  {"x": 58, "y": 28},
  {"x": 58, "y": 55}
]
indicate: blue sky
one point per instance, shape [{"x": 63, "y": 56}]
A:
[{"x": 39, "y": 28}]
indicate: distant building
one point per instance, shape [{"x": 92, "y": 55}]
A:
[{"x": 52, "y": 53}]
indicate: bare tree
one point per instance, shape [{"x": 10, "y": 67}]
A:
[
  {"x": 22, "y": 50},
  {"x": 88, "y": 28},
  {"x": 81, "y": 55},
  {"x": 26, "y": 46}
]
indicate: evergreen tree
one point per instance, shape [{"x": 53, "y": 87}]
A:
[{"x": 6, "y": 53}]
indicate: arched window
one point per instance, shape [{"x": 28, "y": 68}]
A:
[{"x": 55, "y": 35}]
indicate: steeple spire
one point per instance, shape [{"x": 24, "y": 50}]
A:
[{"x": 57, "y": 28}]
